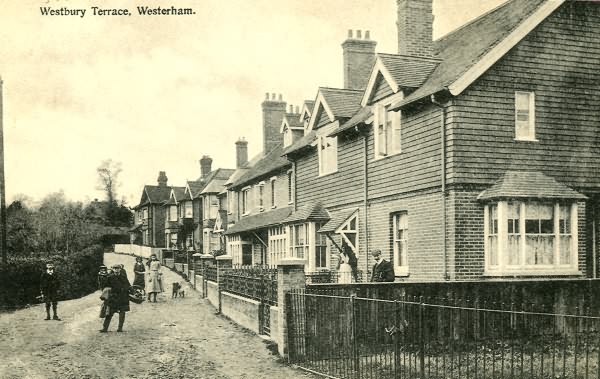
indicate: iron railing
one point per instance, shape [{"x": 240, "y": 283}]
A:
[
  {"x": 211, "y": 273},
  {"x": 326, "y": 276},
  {"x": 350, "y": 337},
  {"x": 254, "y": 282}
]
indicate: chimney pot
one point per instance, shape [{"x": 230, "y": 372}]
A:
[
  {"x": 267, "y": 96},
  {"x": 297, "y": 109},
  {"x": 358, "y": 34},
  {"x": 350, "y": 33},
  {"x": 291, "y": 108},
  {"x": 367, "y": 34},
  {"x": 280, "y": 97}
]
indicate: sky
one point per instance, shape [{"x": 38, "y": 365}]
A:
[{"x": 156, "y": 93}]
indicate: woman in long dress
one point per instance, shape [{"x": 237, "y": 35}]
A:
[
  {"x": 154, "y": 278},
  {"x": 345, "y": 271},
  {"x": 140, "y": 274}
]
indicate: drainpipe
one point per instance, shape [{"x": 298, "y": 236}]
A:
[
  {"x": 443, "y": 179},
  {"x": 366, "y": 197}
]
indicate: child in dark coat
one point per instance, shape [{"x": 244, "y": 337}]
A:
[{"x": 118, "y": 300}]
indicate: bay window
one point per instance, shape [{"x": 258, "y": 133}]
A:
[
  {"x": 531, "y": 237},
  {"x": 173, "y": 213},
  {"x": 299, "y": 240}
]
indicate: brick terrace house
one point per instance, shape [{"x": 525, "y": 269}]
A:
[
  {"x": 260, "y": 196},
  {"x": 150, "y": 214},
  {"x": 472, "y": 156}
]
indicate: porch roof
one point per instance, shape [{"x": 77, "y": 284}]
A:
[
  {"x": 308, "y": 212},
  {"x": 528, "y": 184},
  {"x": 260, "y": 220},
  {"x": 337, "y": 220}
]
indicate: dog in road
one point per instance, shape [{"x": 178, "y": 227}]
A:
[{"x": 178, "y": 291}]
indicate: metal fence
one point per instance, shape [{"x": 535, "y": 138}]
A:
[
  {"x": 211, "y": 273},
  {"x": 254, "y": 282},
  {"x": 350, "y": 337},
  {"x": 325, "y": 276}
]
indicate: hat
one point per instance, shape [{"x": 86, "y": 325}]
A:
[
  {"x": 49, "y": 265},
  {"x": 102, "y": 266},
  {"x": 116, "y": 266}
]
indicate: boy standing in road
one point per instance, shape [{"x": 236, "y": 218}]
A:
[{"x": 49, "y": 285}]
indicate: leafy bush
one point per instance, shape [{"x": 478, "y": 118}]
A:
[{"x": 77, "y": 272}]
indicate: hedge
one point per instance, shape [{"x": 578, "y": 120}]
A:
[{"x": 77, "y": 271}]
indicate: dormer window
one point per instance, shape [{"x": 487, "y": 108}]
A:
[
  {"x": 287, "y": 137},
  {"x": 525, "y": 116},
  {"x": 388, "y": 136}
]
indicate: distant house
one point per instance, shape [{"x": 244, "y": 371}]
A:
[
  {"x": 175, "y": 214},
  {"x": 150, "y": 214}
]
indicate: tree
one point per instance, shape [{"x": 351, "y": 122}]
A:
[
  {"x": 108, "y": 179},
  {"x": 21, "y": 232}
]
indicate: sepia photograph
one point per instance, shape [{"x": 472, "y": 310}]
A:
[{"x": 345, "y": 189}]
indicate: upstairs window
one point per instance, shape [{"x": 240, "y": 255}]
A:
[
  {"x": 260, "y": 191},
  {"x": 525, "y": 116},
  {"x": 145, "y": 212},
  {"x": 173, "y": 213},
  {"x": 273, "y": 192},
  {"x": 388, "y": 136},
  {"x": 230, "y": 201},
  {"x": 245, "y": 204},
  {"x": 290, "y": 178},
  {"x": 189, "y": 210},
  {"x": 327, "y": 155}
]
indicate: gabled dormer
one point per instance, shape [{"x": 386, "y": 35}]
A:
[
  {"x": 305, "y": 114},
  {"x": 291, "y": 127}
]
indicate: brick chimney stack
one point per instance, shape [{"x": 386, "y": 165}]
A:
[
  {"x": 359, "y": 57},
  {"x": 162, "y": 179},
  {"x": 415, "y": 27},
  {"x": 205, "y": 166},
  {"x": 273, "y": 112},
  {"x": 241, "y": 152}
]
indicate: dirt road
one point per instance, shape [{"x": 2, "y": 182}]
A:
[{"x": 173, "y": 338}]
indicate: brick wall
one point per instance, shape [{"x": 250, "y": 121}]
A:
[
  {"x": 425, "y": 229},
  {"x": 415, "y": 23}
]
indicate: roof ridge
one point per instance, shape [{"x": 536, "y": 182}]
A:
[
  {"x": 427, "y": 59},
  {"x": 485, "y": 14},
  {"x": 341, "y": 89}
]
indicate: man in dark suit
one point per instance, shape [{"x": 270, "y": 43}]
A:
[
  {"x": 383, "y": 271},
  {"x": 49, "y": 284}
]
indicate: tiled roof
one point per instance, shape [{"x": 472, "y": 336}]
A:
[
  {"x": 179, "y": 193},
  {"x": 293, "y": 120},
  {"x": 462, "y": 48},
  {"x": 157, "y": 194},
  {"x": 260, "y": 220},
  {"x": 310, "y": 104},
  {"x": 337, "y": 219},
  {"x": 239, "y": 172},
  {"x": 215, "y": 180},
  {"x": 528, "y": 184},
  {"x": 344, "y": 103},
  {"x": 301, "y": 143},
  {"x": 357, "y": 119},
  {"x": 195, "y": 187},
  {"x": 309, "y": 212},
  {"x": 408, "y": 71},
  {"x": 271, "y": 162}
]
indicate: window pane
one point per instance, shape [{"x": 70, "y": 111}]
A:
[
  {"x": 514, "y": 250},
  {"x": 539, "y": 250},
  {"x": 522, "y": 100},
  {"x": 493, "y": 246}
]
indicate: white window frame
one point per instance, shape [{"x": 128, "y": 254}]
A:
[
  {"x": 290, "y": 176},
  {"x": 385, "y": 119},
  {"x": 400, "y": 219},
  {"x": 346, "y": 228},
  {"x": 278, "y": 242},
  {"x": 245, "y": 201},
  {"x": 320, "y": 237},
  {"x": 273, "y": 192},
  {"x": 502, "y": 267},
  {"x": 297, "y": 245},
  {"x": 327, "y": 148},
  {"x": 230, "y": 201},
  {"x": 145, "y": 213},
  {"x": 172, "y": 213},
  {"x": 189, "y": 209},
  {"x": 530, "y": 123},
  {"x": 260, "y": 196}
]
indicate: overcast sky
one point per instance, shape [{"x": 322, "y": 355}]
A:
[{"x": 157, "y": 93}]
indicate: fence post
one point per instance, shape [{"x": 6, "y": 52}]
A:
[
  {"x": 290, "y": 276},
  {"x": 223, "y": 264},
  {"x": 421, "y": 337},
  {"x": 355, "y": 355},
  {"x": 205, "y": 258}
]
